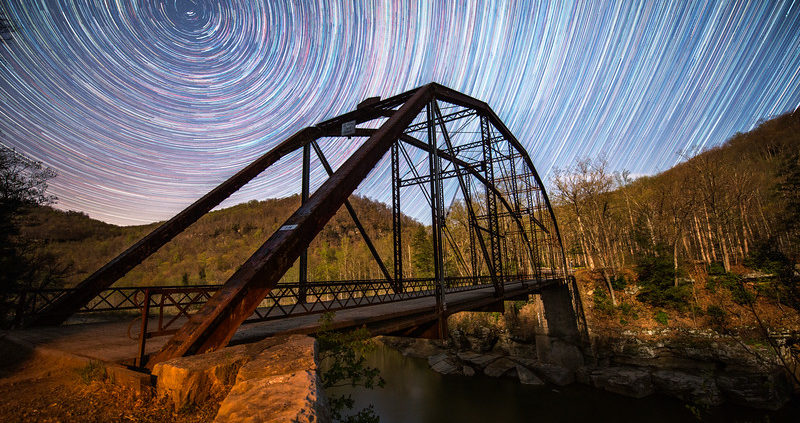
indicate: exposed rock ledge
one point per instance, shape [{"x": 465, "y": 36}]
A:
[
  {"x": 274, "y": 380},
  {"x": 699, "y": 368}
]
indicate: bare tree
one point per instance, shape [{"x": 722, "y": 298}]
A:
[{"x": 586, "y": 188}]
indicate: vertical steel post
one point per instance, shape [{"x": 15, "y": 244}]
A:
[
  {"x": 473, "y": 256},
  {"x": 303, "y": 271},
  {"x": 532, "y": 207},
  {"x": 21, "y": 303},
  {"x": 397, "y": 218},
  {"x": 436, "y": 220},
  {"x": 143, "y": 334},
  {"x": 491, "y": 206},
  {"x": 514, "y": 185}
]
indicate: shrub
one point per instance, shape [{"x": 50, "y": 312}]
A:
[
  {"x": 732, "y": 283},
  {"x": 601, "y": 301},
  {"x": 656, "y": 279},
  {"x": 618, "y": 283},
  {"x": 346, "y": 365},
  {"x": 628, "y": 311},
  {"x": 661, "y": 317},
  {"x": 780, "y": 286},
  {"x": 92, "y": 371},
  {"x": 717, "y": 315},
  {"x": 716, "y": 269}
]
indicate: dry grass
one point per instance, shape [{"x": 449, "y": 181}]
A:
[{"x": 36, "y": 388}]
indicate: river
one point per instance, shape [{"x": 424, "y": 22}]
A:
[{"x": 415, "y": 393}]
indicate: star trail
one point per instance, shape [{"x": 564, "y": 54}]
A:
[{"x": 142, "y": 106}]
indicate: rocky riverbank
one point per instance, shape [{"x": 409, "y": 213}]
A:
[{"x": 700, "y": 367}]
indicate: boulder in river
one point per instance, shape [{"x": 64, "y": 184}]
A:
[
  {"x": 697, "y": 389},
  {"x": 526, "y": 377},
  {"x": 499, "y": 367},
  {"x": 477, "y": 359},
  {"x": 760, "y": 390},
  {"x": 442, "y": 363},
  {"x": 622, "y": 380}
]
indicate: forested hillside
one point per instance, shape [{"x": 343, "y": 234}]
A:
[
  {"x": 212, "y": 249},
  {"x": 724, "y": 223}
]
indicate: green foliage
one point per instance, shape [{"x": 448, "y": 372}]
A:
[
  {"x": 661, "y": 317},
  {"x": 185, "y": 279},
  {"x": 628, "y": 311},
  {"x": 717, "y": 315},
  {"x": 627, "y": 314},
  {"x": 787, "y": 189},
  {"x": 344, "y": 356},
  {"x": 781, "y": 284},
  {"x": 766, "y": 258},
  {"x": 602, "y": 302},
  {"x": 716, "y": 269},
  {"x": 23, "y": 187},
  {"x": 618, "y": 283},
  {"x": 733, "y": 284},
  {"x": 211, "y": 249},
  {"x": 93, "y": 371},
  {"x": 422, "y": 247},
  {"x": 657, "y": 282}
]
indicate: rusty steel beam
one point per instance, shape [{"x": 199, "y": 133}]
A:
[
  {"x": 104, "y": 277},
  {"x": 214, "y": 325},
  {"x": 467, "y": 167},
  {"x": 454, "y": 97}
]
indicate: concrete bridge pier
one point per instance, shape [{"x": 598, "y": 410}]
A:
[{"x": 558, "y": 336}]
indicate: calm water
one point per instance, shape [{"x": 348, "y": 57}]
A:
[{"x": 414, "y": 393}]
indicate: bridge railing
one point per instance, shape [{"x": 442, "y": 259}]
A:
[
  {"x": 168, "y": 306},
  {"x": 176, "y": 300}
]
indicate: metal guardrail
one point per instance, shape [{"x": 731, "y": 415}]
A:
[{"x": 171, "y": 303}]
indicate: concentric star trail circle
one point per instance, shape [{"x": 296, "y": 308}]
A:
[{"x": 143, "y": 106}]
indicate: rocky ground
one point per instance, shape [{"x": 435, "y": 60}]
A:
[{"x": 41, "y": 388}]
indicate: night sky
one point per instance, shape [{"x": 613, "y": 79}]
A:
[{"x": 143, "y": 106}]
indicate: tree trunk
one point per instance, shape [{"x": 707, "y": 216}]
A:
[
  {"x": 710, "y": 234},
  {"x": 609, "y": 286},
  {"x": 726, "y": 261},
  {"x": 700, "y": 241},
  {"x": 675, "y": 260}
]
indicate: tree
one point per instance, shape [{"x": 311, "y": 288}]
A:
[
  {"x": 788, "y": 191},
  {"x": 587, "y": 190},
  {"x": 7, "y": 27},
  {"x": 345, "y": 364},
  {"x": 23, "y": 184},
  {"x": 422, "y": 257}
]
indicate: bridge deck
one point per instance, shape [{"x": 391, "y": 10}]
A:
[{"x": 109, "y": 341}]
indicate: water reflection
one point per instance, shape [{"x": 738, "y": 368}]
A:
[{"x": 414, "y": 393}]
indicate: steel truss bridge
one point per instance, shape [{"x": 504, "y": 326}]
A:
[{"x": 437, "y": 144}]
